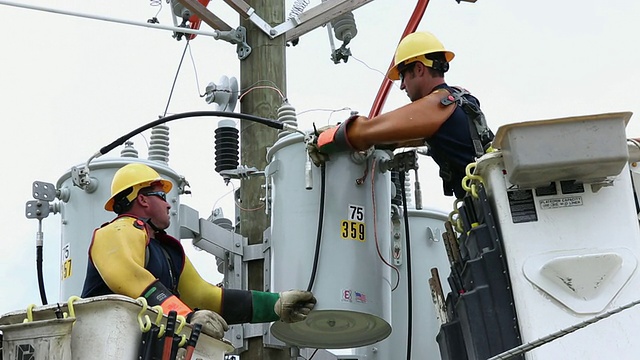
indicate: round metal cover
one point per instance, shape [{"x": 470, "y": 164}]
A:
[{"x": 333, "y": 329}]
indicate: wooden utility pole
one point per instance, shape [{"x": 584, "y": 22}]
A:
[{"x": 264, "y": 66}]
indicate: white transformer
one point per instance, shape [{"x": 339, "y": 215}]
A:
[
  {"x": 350, "y": 278},
  {"x": 427, "y": 252}
]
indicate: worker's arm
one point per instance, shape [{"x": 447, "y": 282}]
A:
[
  {"x": 408, "y": 124},
  {"x": 118, "y": 253},
  {"x": 243, "y": 306}
]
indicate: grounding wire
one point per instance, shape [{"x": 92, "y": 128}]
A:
[
  {"x": 408, "y": 252},
  {"x": 316, "y": 255},
  {"x": 175, "y": 78}
]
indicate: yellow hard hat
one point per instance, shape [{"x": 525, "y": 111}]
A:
[
  {"x": 413, "y": 47},
  {"x": 137, "y": 176}
]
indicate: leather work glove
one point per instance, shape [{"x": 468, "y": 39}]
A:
[
  {"x": 212, "y": 323},
  {"x": 294, "y": 305}
]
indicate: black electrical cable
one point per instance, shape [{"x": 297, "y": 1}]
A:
[
  {"x": 268, "y": 122},
  {"x": 316, "y": 255},
  {"x": 43, "y": 295},
  {"x": 407, "y": 239}
]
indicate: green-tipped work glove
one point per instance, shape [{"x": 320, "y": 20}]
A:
[{"x": 294, "y": 305}]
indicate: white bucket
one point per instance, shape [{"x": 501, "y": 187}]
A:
[
  {"x": 40, "y": 340},
  {"x": 105, "y": 328}
]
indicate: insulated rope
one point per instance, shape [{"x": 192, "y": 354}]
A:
[{"x": 519, "y": 350}]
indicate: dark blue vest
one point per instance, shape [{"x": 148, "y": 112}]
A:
[
  {"x": 164, "y": 258},
  {"x": 451, "y": 147}
]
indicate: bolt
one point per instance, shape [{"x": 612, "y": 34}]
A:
[
  {"x": 331, "y": 323},
  {"x": 238, "y": 336},
  {"x": 272, "y": 32}
]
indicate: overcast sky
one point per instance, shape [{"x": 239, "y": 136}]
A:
[{"x": 70, "y": 86}]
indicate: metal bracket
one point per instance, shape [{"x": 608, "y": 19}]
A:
[
  {"x": 404, "y": 161},
  {"x": 237, "y": 37}
]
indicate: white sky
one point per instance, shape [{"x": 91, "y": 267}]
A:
[{"x": 70, "y": 86}]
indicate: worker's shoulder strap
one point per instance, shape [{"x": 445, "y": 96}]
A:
[{"x": 480, "y": 132}]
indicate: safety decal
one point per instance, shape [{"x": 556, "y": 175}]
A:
[
  {"x": 66, "y": 261},
  {"x": 353, "y": 227},
  {"x": 522, "y": 206},
  {"x": 349, "y": 295}
]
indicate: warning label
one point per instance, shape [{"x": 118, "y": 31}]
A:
[
  {"x": 522, "y": 206},
  {"x": 561, "y": 202}
]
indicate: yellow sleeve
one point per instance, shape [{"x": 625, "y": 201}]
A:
[
  {"x": 196, "y": 292},
  {"x": 118, "y": 252}
]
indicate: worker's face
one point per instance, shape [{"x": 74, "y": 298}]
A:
[
  {"x": 408, "y": 81},
  {"x": 158, "y": 209}
]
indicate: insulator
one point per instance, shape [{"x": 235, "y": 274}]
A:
[
  {"x": 298, "y": 8},
  {"x": 227, "y": 146},
  {"x": 287, "y": 115},
  {"x": 344, "y": 27},
  {"x": 159, "y": 144},
  {"x": 129, "y": 151},
  {"x": 407, "y": 188},
  {"x": 395, "y": 179}
]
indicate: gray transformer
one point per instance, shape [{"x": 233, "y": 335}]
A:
[{"x": 352, "y": 278}]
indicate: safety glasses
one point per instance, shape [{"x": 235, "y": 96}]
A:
[
  {"x": 404, "y": 68},
  {"x": 161, "y": 194}
]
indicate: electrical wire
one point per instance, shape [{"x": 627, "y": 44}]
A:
[
  {"x": 195, "y": 70},
  {"x": 175, "y": 78},
  {"x": 375, "y": 225},
  {"x": 316, "y": 255},
  {"x": 384, "y": 76},
  {"x": 262, "y": 87},
  {"x": 240, "y": 206},
  {"x": 264, "y": 121},
  {"x": 41, "y": 288}
]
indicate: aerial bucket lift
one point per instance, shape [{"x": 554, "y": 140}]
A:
[{"x": 549, "y": 245}]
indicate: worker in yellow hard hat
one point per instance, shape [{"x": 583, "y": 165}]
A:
[
  {"x": 447, "y": 119},
  {"x": 133, "y": 256}
]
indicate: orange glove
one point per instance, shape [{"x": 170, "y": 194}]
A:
[
  {"x": 335, "y": 139},
  {"x": 158, "y": 294}
]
